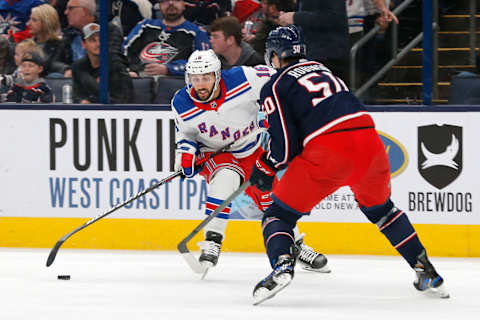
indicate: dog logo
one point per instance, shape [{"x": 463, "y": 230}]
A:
[{"x": 440, "y": 154}]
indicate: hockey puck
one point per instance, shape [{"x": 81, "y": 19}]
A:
[{"x": 63, "y": 277}]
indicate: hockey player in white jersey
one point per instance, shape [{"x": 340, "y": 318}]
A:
[{"x": 214, "y": 109}]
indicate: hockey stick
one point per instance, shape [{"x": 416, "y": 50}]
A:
[
  {"x": 54, "y": 251},
  {"x": 182, "y": 246}
]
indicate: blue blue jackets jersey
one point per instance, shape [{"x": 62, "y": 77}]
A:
[
  {"x": 15, "y": 14},
  {"x": 153, "y": 42},
  {"x": 302, "y": 101},
  {"x": 231, "y": 117}
]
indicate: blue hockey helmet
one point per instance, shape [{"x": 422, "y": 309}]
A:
[{"x": 286, "y": 42}]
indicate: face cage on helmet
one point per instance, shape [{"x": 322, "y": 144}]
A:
[{"x": 190, "y": 87}]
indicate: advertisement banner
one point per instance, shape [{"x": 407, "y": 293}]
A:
[
  {"x": 79, "y": 163},
  {"x": 433, "y": 167}
]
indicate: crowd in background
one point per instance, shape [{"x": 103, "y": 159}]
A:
[{"x": 152, "y": 38}]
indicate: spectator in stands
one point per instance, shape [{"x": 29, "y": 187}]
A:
[
  {"x": 86, "y": 73},
  {"x": 14, "y": 16},
  {"x": 22, "y": 48},
  {"x": 31, "y": 87},
  {"x": 79, "y": 14},
  {"x": 203, "y": 12},
  {"x": 162, "y": 46},
  {"x": 359, "y": 10},
  {"x": 86, "y": 70},
  {"x": 376, "y": 51},
  {"x": 60, "y": 6},
  {"x": 362, "y": 17},
  {"x": 226, "y": 40},
  {"x": 44, "y": 25},
  {"x": 7, "y": 67},
  {"x": 129, "y": 13},
  {"x": 248, "y": 11},
  {"x": 7, "y": 63},
  {"x": 355, "y": 15},
  {"x": 324, "y": 24},
  {"x": 271, "y": 11},
  {"x": 386, "y": 16}
]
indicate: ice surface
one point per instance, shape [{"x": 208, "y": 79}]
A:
[{"x": 159, "y": 285}]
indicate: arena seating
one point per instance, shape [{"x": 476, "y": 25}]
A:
[
  {"x": 56, "y": 84},
  {"x": 147, "y": 90},
  {"x": 465, "y": 89},
  {"x": 143, "y": 90}
]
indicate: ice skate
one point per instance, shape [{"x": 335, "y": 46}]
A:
[
  {"x": 309, "y": 259},
  {"x": 210, "y": 250},
  {"x": 428, "y": 280},
  {"x": 280, "y": 277}
]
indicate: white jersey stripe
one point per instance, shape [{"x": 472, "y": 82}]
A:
[
  {"x": 237, "y": 88},
  {"x": 237, "y": 94},
  {"x": 331, "y": 124}
]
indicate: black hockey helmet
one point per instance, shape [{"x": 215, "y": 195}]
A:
[{"x": 286, "y": 42}]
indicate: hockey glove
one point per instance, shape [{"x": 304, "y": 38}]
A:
[
  {"x": 263, "y": 174},
  {"x": 188, "y": 165},
  {"x": 185, "y": 158}
]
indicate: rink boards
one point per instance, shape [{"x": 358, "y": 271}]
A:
[{"x": 60, "y": 167}]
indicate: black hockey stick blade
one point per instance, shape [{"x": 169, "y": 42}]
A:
[
  {"x": 182, "y": 246},
  {"x": 54, "y": 251}
]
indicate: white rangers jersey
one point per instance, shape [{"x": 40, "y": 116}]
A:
[{"x": 232, "y": 117}]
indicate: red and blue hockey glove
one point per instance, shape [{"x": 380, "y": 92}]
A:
[
  {"x": 263, "y": 173},
  {"x": 185, "y": 158},
  {"x": 188, "y": 165}
]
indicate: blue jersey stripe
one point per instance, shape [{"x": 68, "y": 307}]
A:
[
  {"x": 248, "y": 146},
  {"x": 220, "y": 215},
  {"x": 194, "y": 115},
  {"x": 237, "y": 94}
]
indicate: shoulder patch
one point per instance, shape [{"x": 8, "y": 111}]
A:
[
  {"x": 182, "y": 102},
  {"x": 233, "y": 78}
]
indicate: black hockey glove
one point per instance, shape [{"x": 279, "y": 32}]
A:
[{"x": 263, "y": 173}]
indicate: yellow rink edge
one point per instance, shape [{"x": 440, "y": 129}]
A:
[{"x": 242, "y": 236}]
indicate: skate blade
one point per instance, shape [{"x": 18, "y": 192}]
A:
[
  {"x": 324, "y": 269},
  {"x": 263, "y": 294},
  {"x": 439, "y": 292},
  {"x": 206, "y": 265}
]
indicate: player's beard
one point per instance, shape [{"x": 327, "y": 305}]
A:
[
  {"x": 204, "y": 94},
  {"x": 172, "y": 15}
]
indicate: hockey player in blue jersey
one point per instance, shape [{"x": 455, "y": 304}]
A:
[
  {"x": 215, "y": 109},
  {"x": 325, "y": 138}
]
